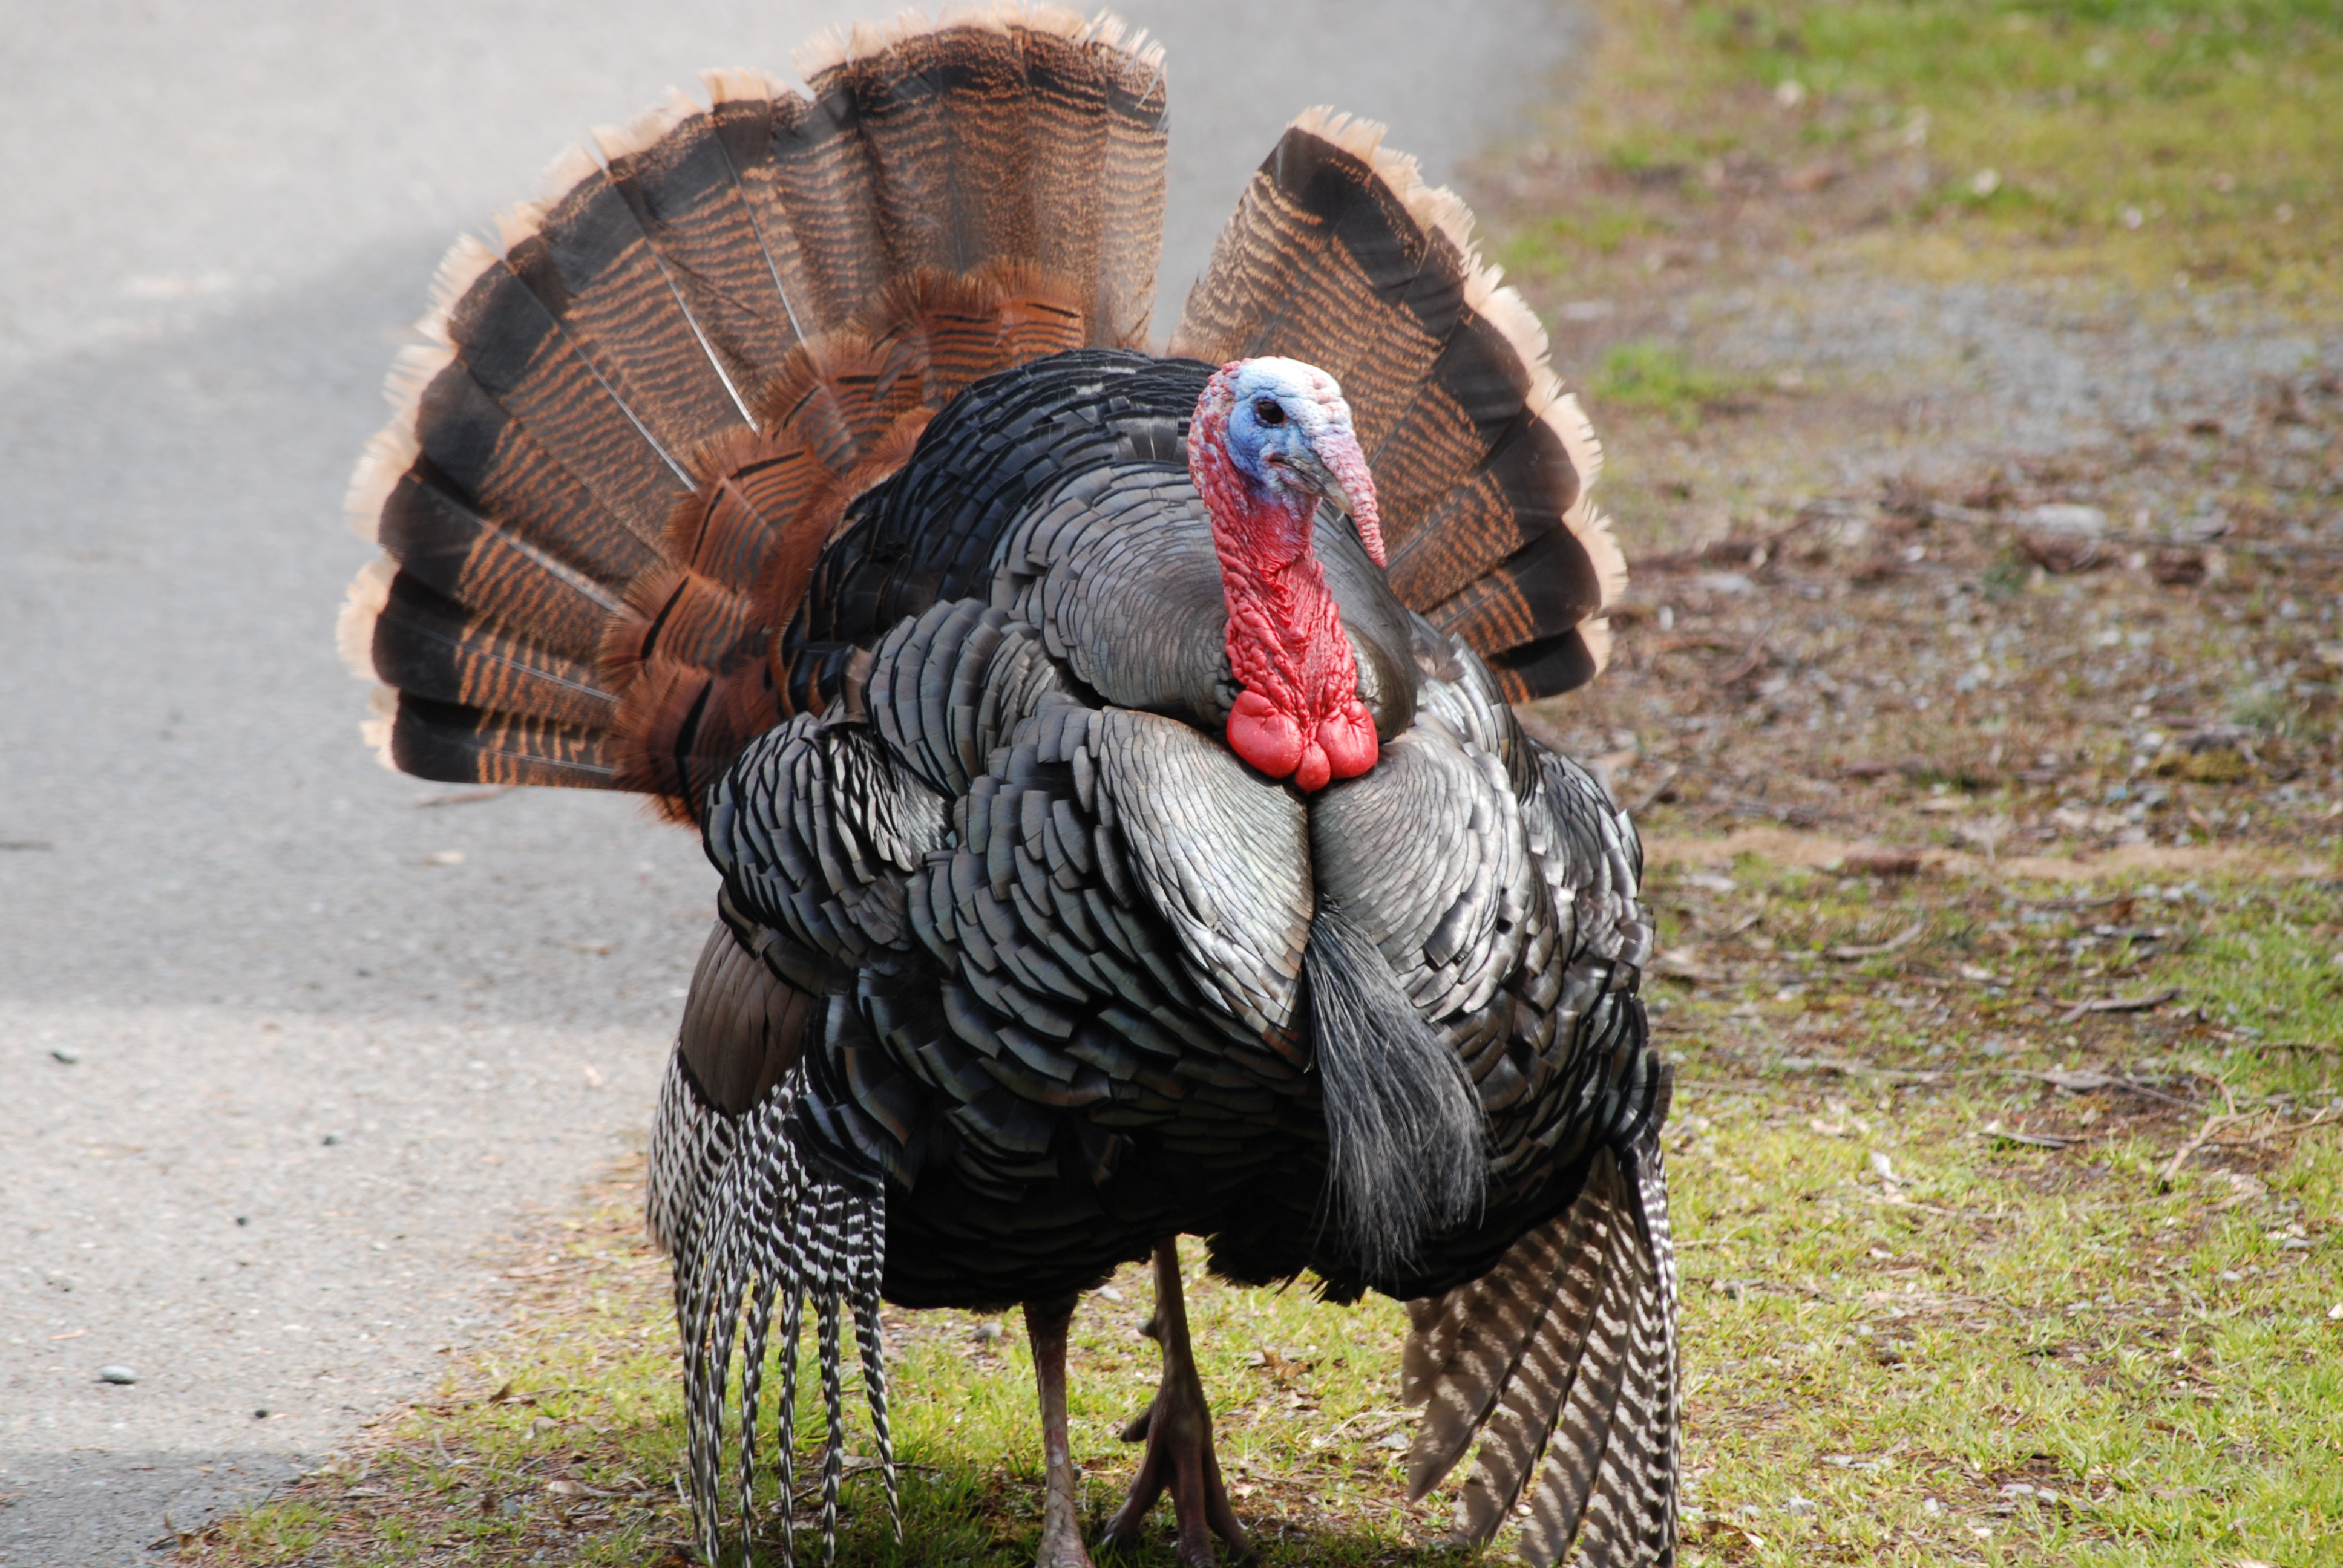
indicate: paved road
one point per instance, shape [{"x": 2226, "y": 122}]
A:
[{"x": 277, "y": 1080}]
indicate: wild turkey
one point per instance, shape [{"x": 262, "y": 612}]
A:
[{"x": 1116, "y": 841}]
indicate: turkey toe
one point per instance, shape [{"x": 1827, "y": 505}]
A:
[{"x": 1178, "y": 1430}]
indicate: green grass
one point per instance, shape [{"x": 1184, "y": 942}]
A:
[
  {"x": 2148, "y": 140},
  {"x": 1603, "y": 226},
  {"x": 1654, "y": 377},
  {"x": 1896, "y": 1350},
  {"x": 1989, "y": 1314}
]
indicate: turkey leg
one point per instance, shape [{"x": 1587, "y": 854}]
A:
[
  {"x": 1062, "y": 1521},
  {"x": 1177, "y": 1428}
]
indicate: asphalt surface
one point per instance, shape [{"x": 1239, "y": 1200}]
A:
[{"x": 291, "y": 1048}]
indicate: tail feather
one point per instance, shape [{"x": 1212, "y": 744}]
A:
[
  {"x": 467, "y": 555},
  {"x": 1012, "y": 134},
  {"x": 1340, "y": 254},
  {"x": 673, "y": 170},
  {"x": 1132, "y": 186},
  {"x": 1561, "y": 1363},
  {"x": 461, "y": 744},
  {"x": 502, "y": 336},
  {"x": 428, "y": 646},
  {"x": 587, "y": 260},
  {"x": 636, "y": 423}
]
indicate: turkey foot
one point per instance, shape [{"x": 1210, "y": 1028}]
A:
[
  {"x": 1178, "y": 1430},
  {"x": 1061, "y": 1519}
]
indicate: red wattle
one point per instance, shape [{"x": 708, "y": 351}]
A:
[
  {"x": 1349, "y": 742},
  {"x": 1311, "y": 775},
  {"x": 1264, "y": 735}
]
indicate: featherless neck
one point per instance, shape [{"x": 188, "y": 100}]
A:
[{"x": 1299, "y": 716}]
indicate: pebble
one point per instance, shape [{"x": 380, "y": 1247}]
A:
[
  {"x": 989, "y": 1334},
  {"x": 65, "y": 1054},
  {"x": 1793, "y": 1504},
  {"x": 121, "y": 1375}
]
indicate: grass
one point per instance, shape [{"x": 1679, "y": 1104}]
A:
[
  {"x": 1960, "y": 1347},
  {"x": 2159, "y": 142},
  {"x": 1654, "y": 377},
  {"x": 1911, "y": 1336}
]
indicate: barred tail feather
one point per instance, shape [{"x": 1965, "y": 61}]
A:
[
  {"x": 1561, "y": 1363},
  {"x": 636, "y": 418}
]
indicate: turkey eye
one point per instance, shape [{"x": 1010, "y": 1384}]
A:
[{"x": 1269, "y": 413}]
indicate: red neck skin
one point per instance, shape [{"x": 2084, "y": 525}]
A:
[{"x": 1299, "y": 716}]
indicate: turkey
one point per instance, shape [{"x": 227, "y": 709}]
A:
[{"x": 1123, "y": 829}]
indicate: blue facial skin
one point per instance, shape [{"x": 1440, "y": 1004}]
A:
[{"x": 1275, "y": 455}]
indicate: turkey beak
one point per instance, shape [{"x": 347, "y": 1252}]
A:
[{"x": 1337, "y": 469}]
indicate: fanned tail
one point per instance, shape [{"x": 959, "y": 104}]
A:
[
  {"x": 1561, "y": 1361},
  {"x": 1339, "y": 254},
  {"x": 635, "y": 420}
]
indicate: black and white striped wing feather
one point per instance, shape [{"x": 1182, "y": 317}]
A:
[{"x": 1560, "y": 1361}]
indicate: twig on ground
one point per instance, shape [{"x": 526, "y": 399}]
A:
[
  {"x": 1651, "y": 798},
  {"x": 1388, "y": 1417},
  {"x": 1748, "y": 664},
  {"x": 2321, "y": 1120},
  {"x": 1903, "y": 938},
  {"x": 2031, "y": 1139},
  {"x": 1862, "y": 1069},
  {"x": 2203, "y": 1135},
  {"x": 2120, "y": 1004}
]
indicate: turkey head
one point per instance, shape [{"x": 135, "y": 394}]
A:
[{"x": 1272, "y": 437}]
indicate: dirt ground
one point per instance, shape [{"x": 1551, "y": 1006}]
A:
[{"x": 2033, "y": 567}]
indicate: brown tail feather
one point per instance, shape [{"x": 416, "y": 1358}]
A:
[
  {"x": 634, "y": 427},
  {"x": 1339, "y": 254},
  {"x": 1013, "y": 135},
  {"x": 674, "y": 172},
  {"x": 695, "y": 649}
]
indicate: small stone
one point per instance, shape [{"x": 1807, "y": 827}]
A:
[
  {"x": 1396, "y": 1441},
  {"x": 120, "y": 1374},
  {"x": 331, "y": 1139},
  {"x": 2063, "y": 537},
  {"x": 989, "y": 1334},
  {"x": 1793, "y": 1504},
  {"x": 65, "y": 1054},
  {"x": 243, "y": 1219},
  {"x": 260, "y": 1414}
]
